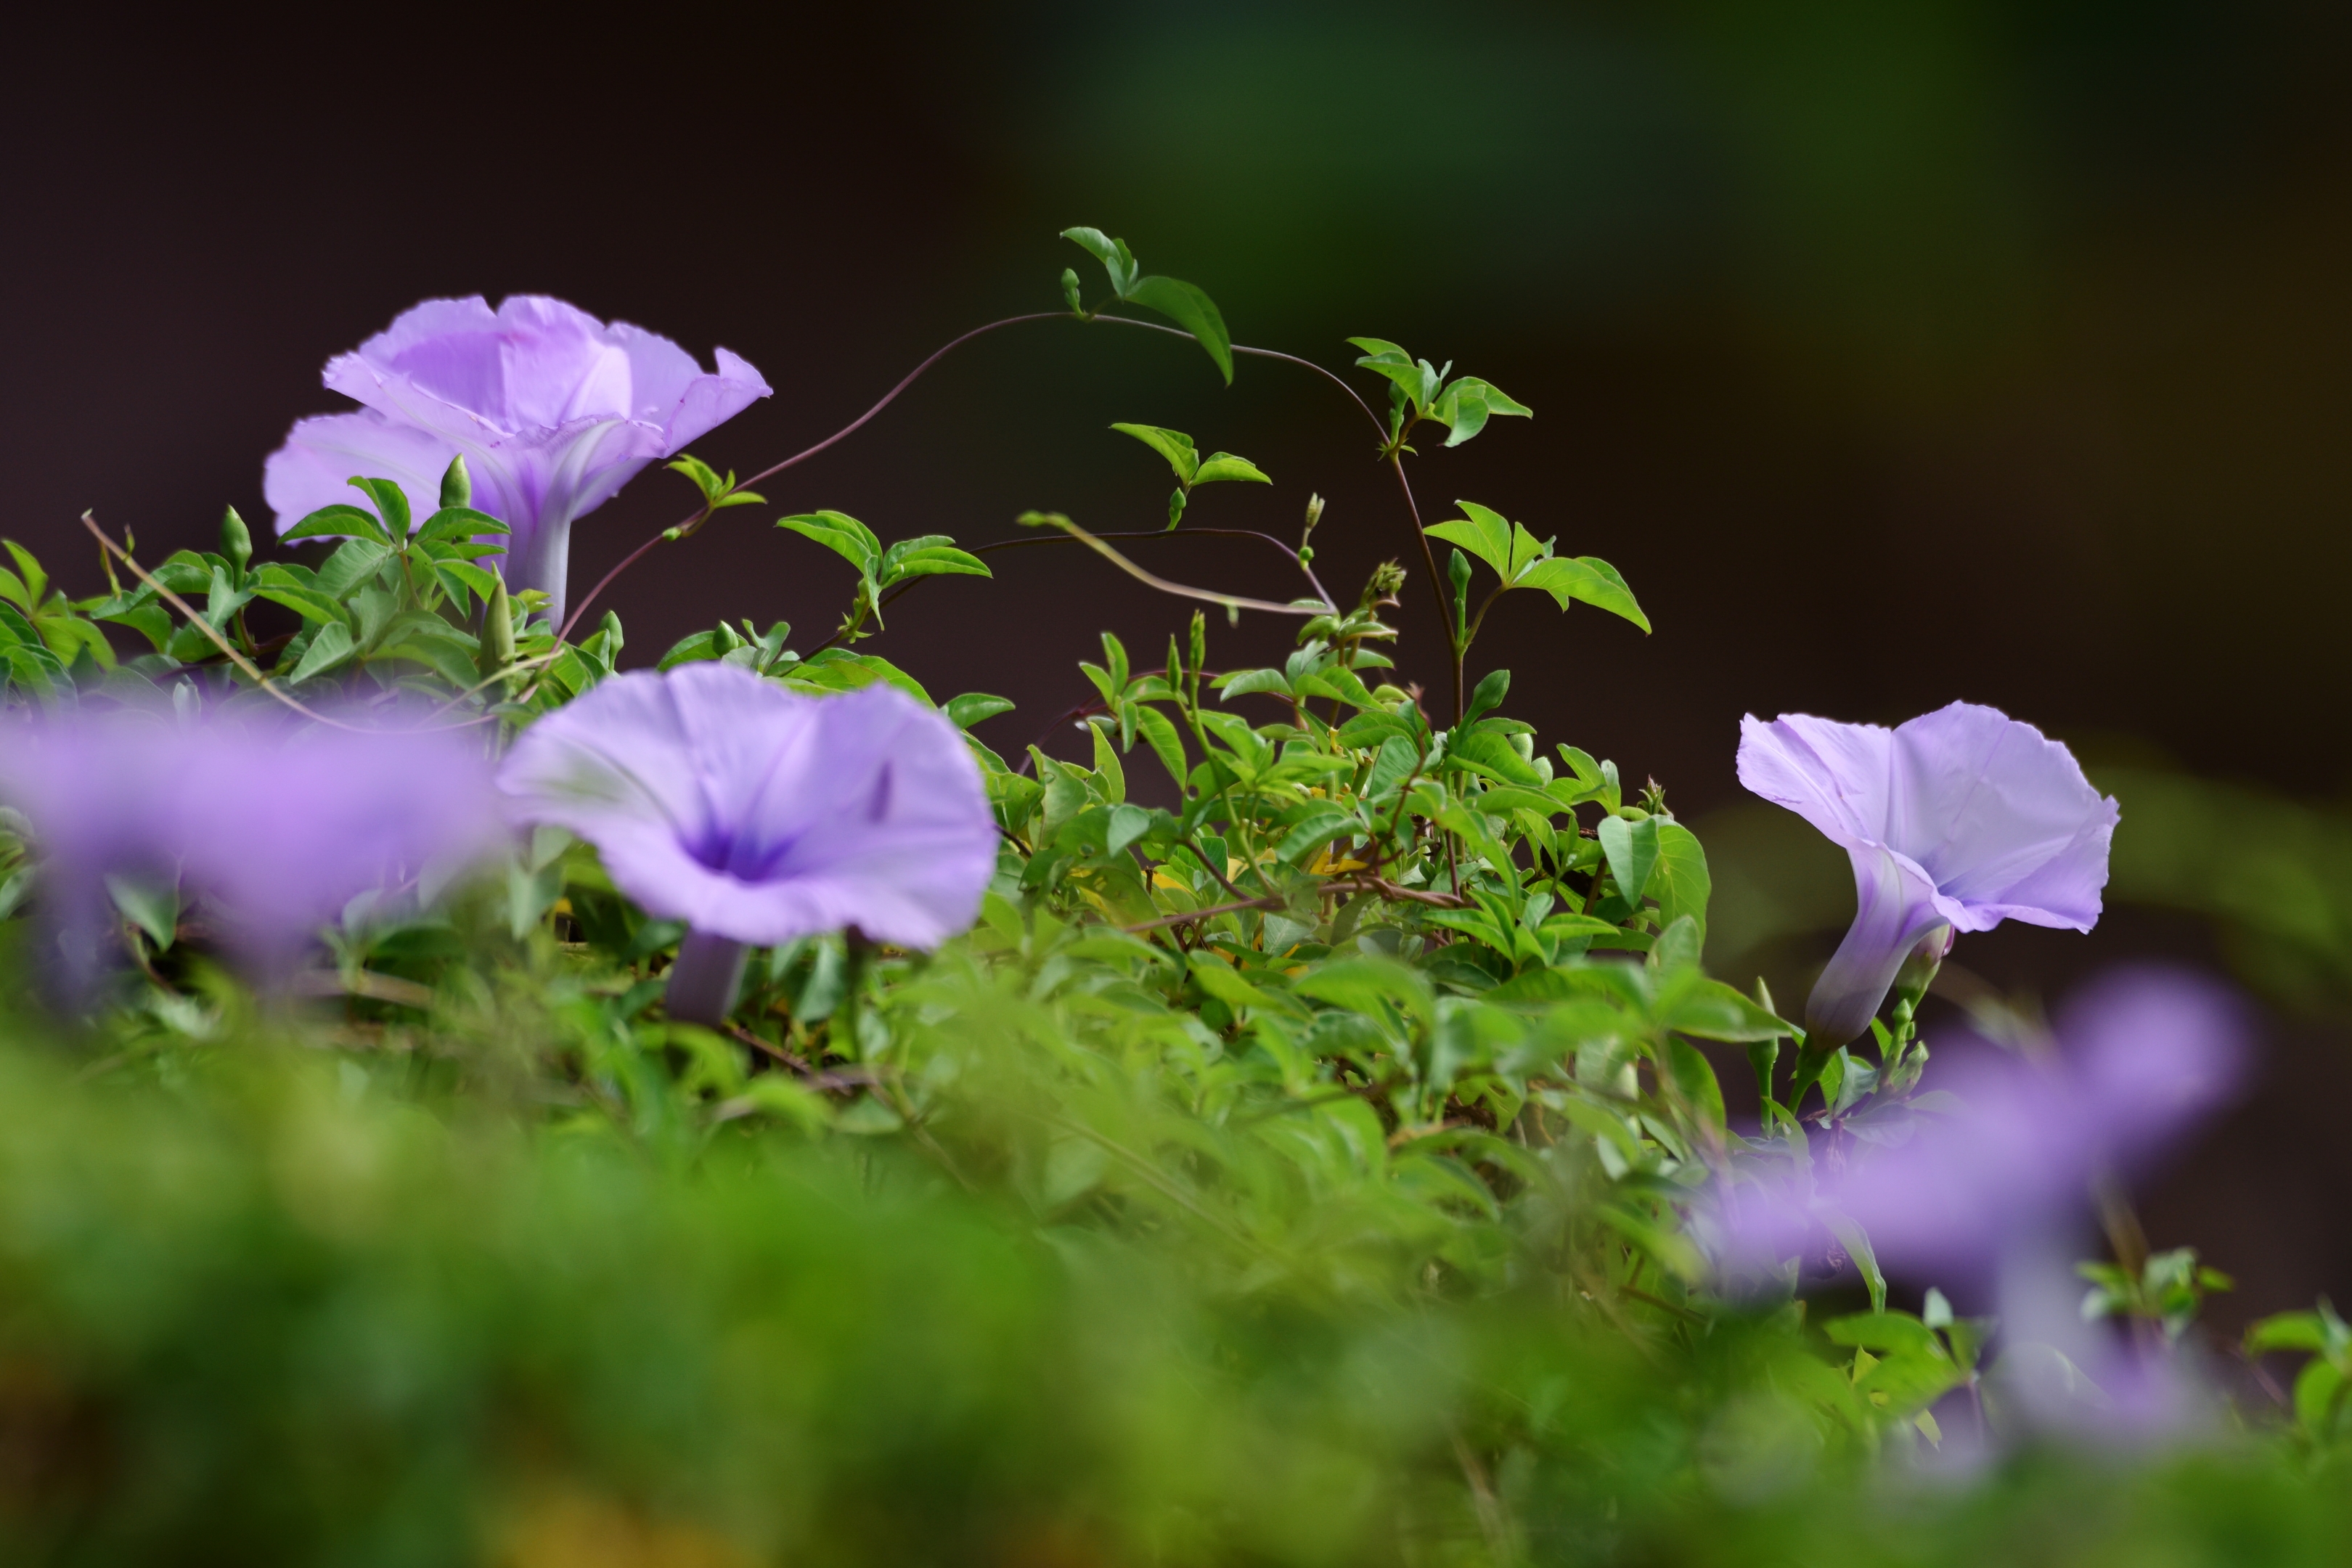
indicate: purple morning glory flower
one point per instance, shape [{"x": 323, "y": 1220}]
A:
[
  {"x": 270, "y": 830},
  {"x": 757, "y": 816},
  {"x": 553, "y": 410},
  {"x": 2143, "y": 1054},
  {"x": 1993, "y": 1189},
  {"x": 2007, "y": 1152},
  {"x": 1955, "y": 821}
]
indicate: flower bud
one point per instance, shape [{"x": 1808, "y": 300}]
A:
[
  {"x": 1200, "y": 640},
  {"x": 236, "y": 540},
  {"x": 1313, "y": 516},
  {"x": 1918, "y": 971},
  {"x": 456, "y": 484},
  {"x": 1070, "y": 289},
  {"x": 498, "y": 649}
]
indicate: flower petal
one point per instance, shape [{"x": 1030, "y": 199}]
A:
[
  {"x": 315, "y": 466},
  {"x": 752, "y": 812},
  {"x": 2001, "y": 817},
  {"x": 1836, "y": 776},
  {"x": 554, "y": 410},
  {"x": 1896, "y": 905}
]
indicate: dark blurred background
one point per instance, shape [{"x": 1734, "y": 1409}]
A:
[{"x": 1896, "y": 354}]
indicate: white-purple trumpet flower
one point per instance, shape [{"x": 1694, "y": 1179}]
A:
[
  {"x": 553, "y": 410},
  {"x": 1955, "y": 821},
  {"x": 758, "y": 816}
]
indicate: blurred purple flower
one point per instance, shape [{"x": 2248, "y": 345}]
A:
[
  {"x": 757, "y": 816},
  {"x": 2007, "y": 1148},
  {"x": 2143, "y": 1054},
  {"x": 1955, "y": 821},
  {"x": 1992, "y": 1187},
  {"x": 553, "y": 410},
  {"x": 273, "y": 830}
]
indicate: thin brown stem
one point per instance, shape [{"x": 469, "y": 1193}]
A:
[
  {"x": 891, "y": 396},
  {"x": 1230, "y": 601},
  {"x": 704, "y": 513},
  {"x": 1217, "y": 871},
  {"x": 802, "y": 456},
  {"x": 891, "y": 596},
  {"x": 1392, "y": 890},
  {"x": 1436, "y": 584},
  {"x": 1212, "y": 913},
  {"x": 631, "y": 559},
  {"x": 211, "y": 633}
]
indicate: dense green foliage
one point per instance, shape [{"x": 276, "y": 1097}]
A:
[{"x": 1296, "y": 1173}]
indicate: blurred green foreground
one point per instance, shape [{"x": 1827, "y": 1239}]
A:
[{"x": 260, "y": 1307}]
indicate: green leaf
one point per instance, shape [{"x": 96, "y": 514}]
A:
[
  {"x": 35, "y": 581},
  {"x": 1304, "y": 840},
  {"x": 1245, "y": 682},
  {"x": 841, "y": 534},
  {"x": 705, "y": 478},
  {"x": 970, "y": 709},
  {"x": 1632, "y": 851},
  {"x": 1191, "y": 309},
  {"x": 1117, "y": 260},
  {"x": 1107, "y": 763},
  {"x": 2319, "y": 1395},
  {"x": 330, "y": 648},
  {"x": 149, "y": 621},
  {"x": 1374, "y": 727},
  {"x": 838, "y": 670},
  {"x": 452, "y": 522},
  {"x": 2287, "y": 1332},
  {"x": 1884, "y": 1332},
  {"x": 931, "y": 556},
  {"x": 482, "y": 582},
  {"x": 1175, "y": 445},
  {"x": 1904, "y": 1385},
  {"x": 1361, "y": 985},
  {"x": 36, "y": 670},
  {"x": 1415, "y": 378},
  {"x": 1671, "y": 1250},
  {"x": 1222, "y": 982},
  {"x": 298, "y": 590},
  {"x": 1857, "y": 1242},
  {"x": 1484, "y": 532},
  {"x": 1487, "y": 752},
  {"x": 1676, "y": 949},
  {"x": 690, "y": 650},
  {"x": 451, "y": 657},
  {"x": 1128, "y": 824},
  {"x": 339, "y": 521},
  {"x": 1585, "y": 577},
  {"x": 354, "y": 562},
  {"x": 153, "y": 910},
  {"x": 1465, "y": 407},
  {"x": 1680, "y": 882},
  {"x": 1694, "y": 1076},
  {"x": 1713, "y": 1011},
  {"x": 1160, "y": 732},
  {"x": 1222, "y": 466},
  {"x": 390, "y": 504}
]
